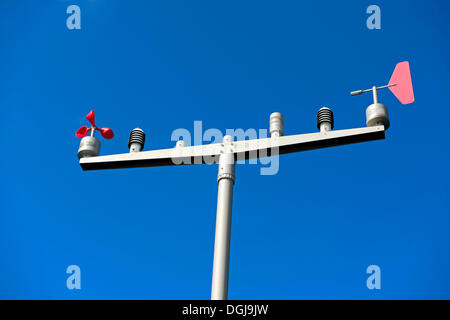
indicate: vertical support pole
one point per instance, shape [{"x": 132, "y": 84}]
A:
[{"x": 225, "y": 180}]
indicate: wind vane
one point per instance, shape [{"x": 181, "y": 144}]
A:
[{"x": 400, "y": 85}]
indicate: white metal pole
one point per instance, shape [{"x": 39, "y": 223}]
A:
[{"x": 225, "y": 179}]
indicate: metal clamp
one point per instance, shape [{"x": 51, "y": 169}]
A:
[{"x": 226, "y": 160}]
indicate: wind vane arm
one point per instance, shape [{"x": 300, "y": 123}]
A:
[{"x": 358, "y": 92}]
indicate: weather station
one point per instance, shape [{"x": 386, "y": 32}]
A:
[{"x": 227, "y": 153}]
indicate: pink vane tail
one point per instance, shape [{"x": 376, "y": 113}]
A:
[{"x": 403, "y": 88}]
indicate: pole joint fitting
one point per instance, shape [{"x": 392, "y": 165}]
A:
[{"x": 226, "y": 160}]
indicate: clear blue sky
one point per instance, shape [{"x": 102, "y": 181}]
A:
[{"x": 308, "y": 232}]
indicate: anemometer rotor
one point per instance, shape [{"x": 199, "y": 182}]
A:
[{"x": 90, "y": 145}]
